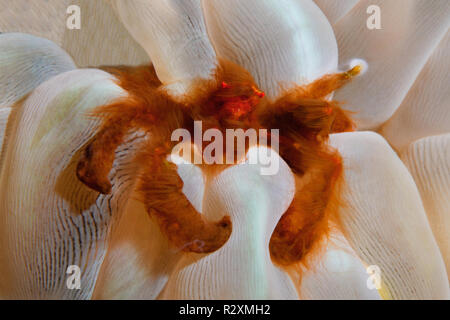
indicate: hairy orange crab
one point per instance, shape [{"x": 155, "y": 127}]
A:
[{"x": 231, "y": 100}]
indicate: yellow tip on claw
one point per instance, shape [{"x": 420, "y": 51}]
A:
[{"x": 353, "y": 72}]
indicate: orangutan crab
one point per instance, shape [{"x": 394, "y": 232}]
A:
[{"x": 303, "y": 115}]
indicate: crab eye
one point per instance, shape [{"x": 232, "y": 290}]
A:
[{"x": 258, "y": 92}]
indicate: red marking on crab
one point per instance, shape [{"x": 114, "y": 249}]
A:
[
  {"x": 238, "y": 106},
  {"x": 225, "y": 85}
]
